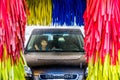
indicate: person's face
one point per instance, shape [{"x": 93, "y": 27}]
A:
[{"x": 44, "y": 43}]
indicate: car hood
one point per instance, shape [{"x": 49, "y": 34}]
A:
[{"x": 46, "y": 58}]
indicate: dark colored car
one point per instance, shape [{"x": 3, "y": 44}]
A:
[{"x": 64, "y": 53}]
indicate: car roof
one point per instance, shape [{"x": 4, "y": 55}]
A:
[
  {"x": 30, "y": 28},
  {"x": 56, "y": 30},
  {"x": 54, "y": 27}
]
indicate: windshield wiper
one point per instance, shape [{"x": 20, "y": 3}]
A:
[
  {"x": 74, "y": 50},
  {"x": 57, "y": 50}
]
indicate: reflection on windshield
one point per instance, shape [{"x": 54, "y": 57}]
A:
[{"x": 55, "y": 42}]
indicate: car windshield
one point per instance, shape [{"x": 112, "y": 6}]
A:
[{"x": 61, "y": 40}]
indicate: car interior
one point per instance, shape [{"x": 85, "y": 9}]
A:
[{"x": 59, "y": 41}]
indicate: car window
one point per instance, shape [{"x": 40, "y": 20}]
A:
[{"x": 57, "y": 40}]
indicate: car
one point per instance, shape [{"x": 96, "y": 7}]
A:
[{"x": 64, "y": 57}]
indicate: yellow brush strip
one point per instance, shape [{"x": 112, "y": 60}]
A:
[
  {"x": 10, "y": 71},
  {"x": 105, "y": 71},
  {"x": 40, "y": 12}
]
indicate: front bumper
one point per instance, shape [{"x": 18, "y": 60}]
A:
[{"x": 58, "y": 73}]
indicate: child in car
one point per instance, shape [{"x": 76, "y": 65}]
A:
[{"x": 43, "y": 45}]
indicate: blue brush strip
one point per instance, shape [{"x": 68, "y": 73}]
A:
[{"x": 68, "y": 12}]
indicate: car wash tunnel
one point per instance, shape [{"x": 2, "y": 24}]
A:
[{"x": 59, "y": 39}]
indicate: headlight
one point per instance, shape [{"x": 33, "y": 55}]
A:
[
  {"x": 28, "y": 71},
  {"x": 86, "y": 72}
]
